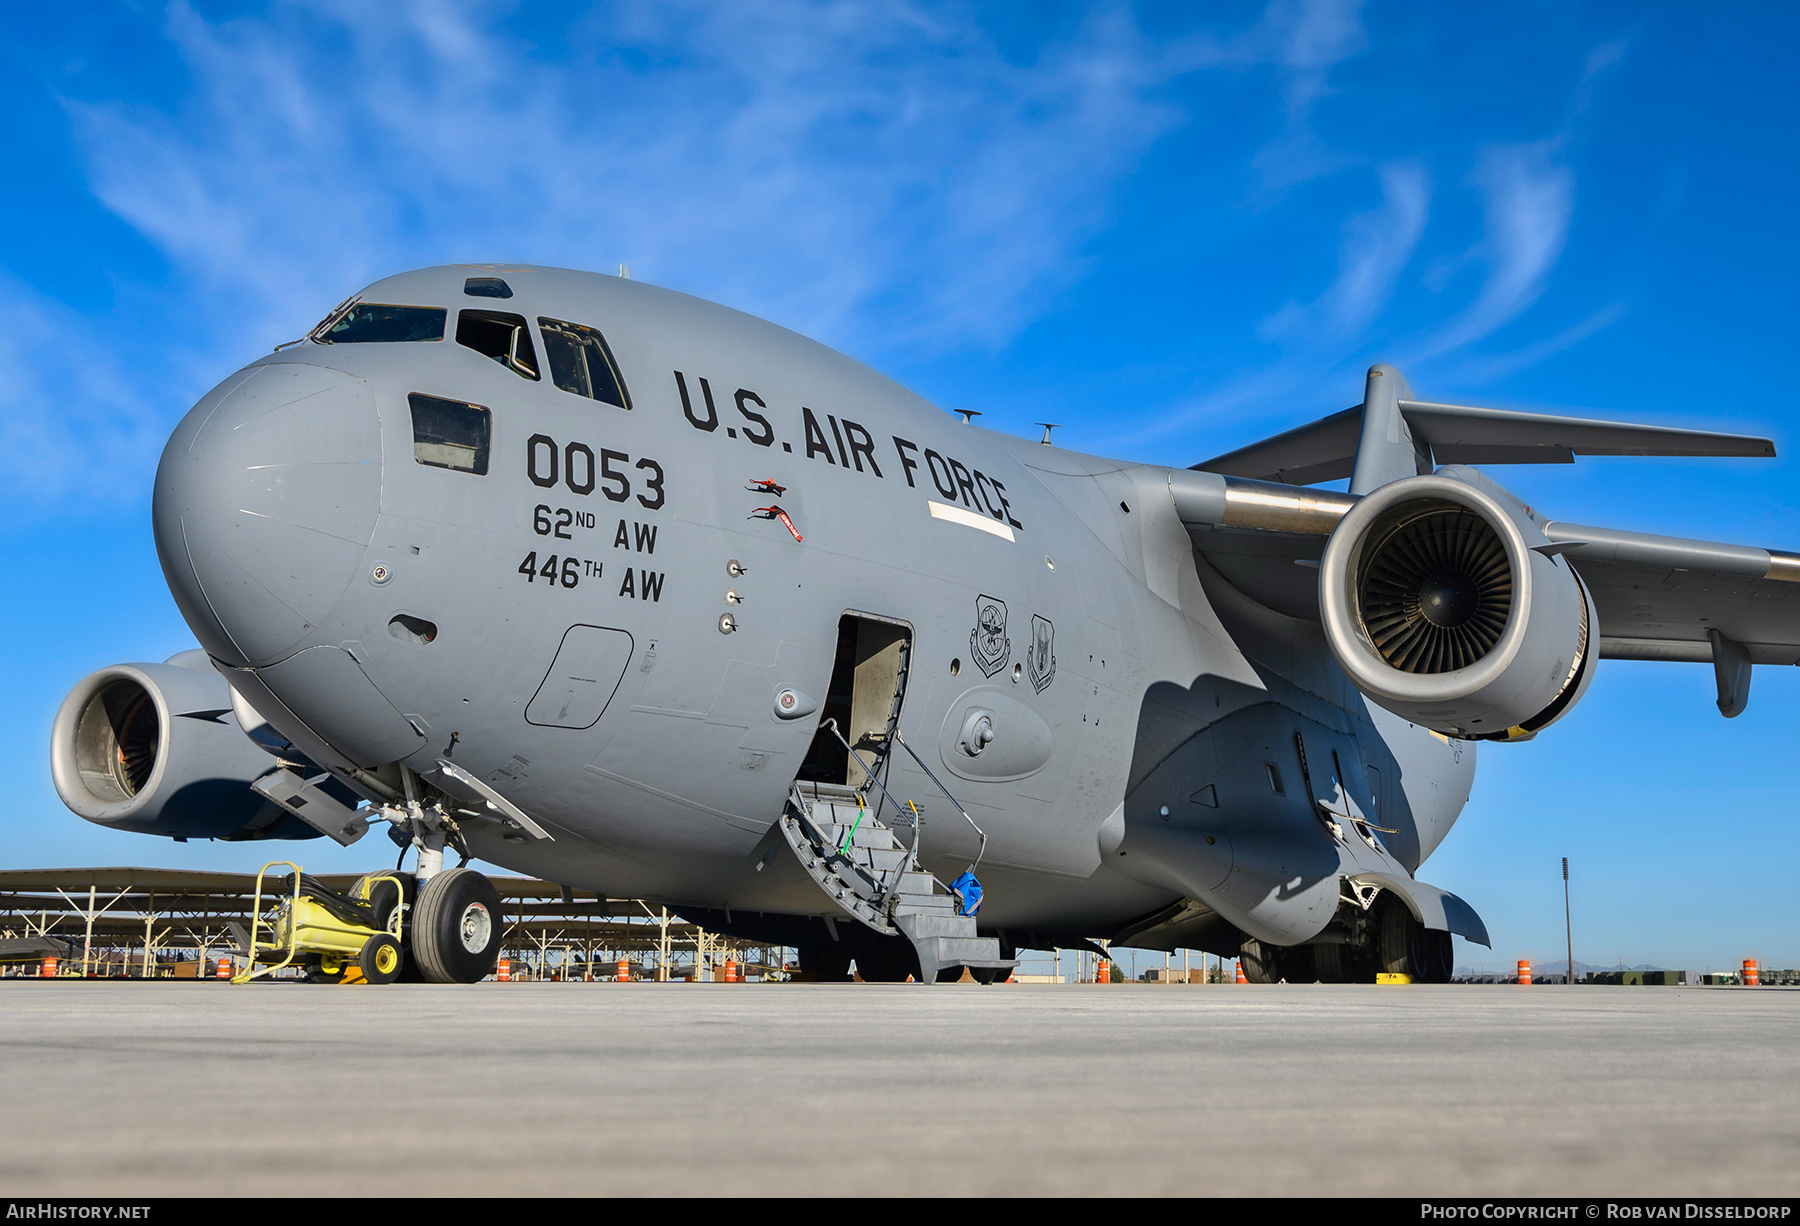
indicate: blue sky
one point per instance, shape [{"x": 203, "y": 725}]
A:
[{"x": 1175, "y": 228}]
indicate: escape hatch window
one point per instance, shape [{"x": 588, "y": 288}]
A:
[
  {"x": 498, "y": 335},
  {"x": 581, "y": 363},
  {"x": 374, "y": 322},
  {"x": 451, "y": 434},
  {"x": 487, "y": 287}
]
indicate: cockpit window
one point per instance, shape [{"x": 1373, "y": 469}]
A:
[
  {"x": 505, "y": 338},
  {"x": 451, "y": 434},
  {"x": 581, "y": 363},
  {"x": 487, "y": 287},
  {"x": 371, "y": 322}
]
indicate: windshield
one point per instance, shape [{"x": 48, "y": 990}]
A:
[
  {"x": 503, "y": 337},
  {"x": 581, "y": 363},
  {"x": 368, "y": 322}
]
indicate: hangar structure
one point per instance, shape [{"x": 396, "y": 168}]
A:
[{"x": 111, "y": 922}]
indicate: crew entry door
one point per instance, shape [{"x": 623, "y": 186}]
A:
[{"x": 868, "y": 685}]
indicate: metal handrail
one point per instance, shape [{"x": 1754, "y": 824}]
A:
[
  {"x": 979, "y": 851},
  {"x": 250, "y": 972},
  {"x": 913, "y": 851}
]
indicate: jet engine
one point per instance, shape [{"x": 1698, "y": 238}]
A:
[
  {"x": 1445, "y": 603},
  {"x": 158, "y": 749}
]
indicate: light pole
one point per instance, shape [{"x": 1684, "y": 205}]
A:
[{"x": 1568, "y": 930}]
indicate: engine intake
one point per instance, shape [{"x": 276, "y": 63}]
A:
[
  {"x": 156, "y": 749},
  {"x": 1439, "y": 606}
]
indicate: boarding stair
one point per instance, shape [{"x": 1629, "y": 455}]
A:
[{"x": 859, "y": 860}]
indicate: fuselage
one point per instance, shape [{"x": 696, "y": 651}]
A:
[{"x": 595, "y": 609}]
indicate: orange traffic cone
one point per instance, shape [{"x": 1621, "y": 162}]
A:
[{"x": 1240, "y": 973}]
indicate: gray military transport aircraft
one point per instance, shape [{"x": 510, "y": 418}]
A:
[{"x": 637, "y": 593}]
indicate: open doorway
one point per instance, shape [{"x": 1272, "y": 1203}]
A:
[{"x": 868, "y": 684}]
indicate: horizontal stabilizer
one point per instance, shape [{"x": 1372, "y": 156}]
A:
[
  {"x": 1323, "y": 450},
  {"x": 1326, "y": 449},
  {"x": 1459, "y": 434}
]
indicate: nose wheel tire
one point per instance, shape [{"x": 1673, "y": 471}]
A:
[
  {"x": 381, "y": 959},
  {"x": 456, "y": 927}
]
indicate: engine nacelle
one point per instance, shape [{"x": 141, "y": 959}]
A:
[
  {"x": 157, "y": 749},
  {"x": 1440, "y": 606}
]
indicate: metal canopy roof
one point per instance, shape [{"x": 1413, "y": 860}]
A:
[{"x": 171, "y": 881}]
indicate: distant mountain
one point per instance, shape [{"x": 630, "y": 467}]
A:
[{"x": 1561, "y": 967}]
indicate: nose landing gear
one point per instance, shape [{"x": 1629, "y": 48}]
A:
[
  {"x": 456, "y": 927},
  {"x": 451, "y": 934}
]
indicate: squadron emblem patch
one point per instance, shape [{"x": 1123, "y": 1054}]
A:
[
  {"x": 1040, "y": 662},
  {"x": 988, "y": 642}
]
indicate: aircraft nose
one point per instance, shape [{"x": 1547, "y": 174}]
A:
[{"x": 265, "y": 501}]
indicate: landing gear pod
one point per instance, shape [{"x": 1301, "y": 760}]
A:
[{"x": 1444, "y": 603}]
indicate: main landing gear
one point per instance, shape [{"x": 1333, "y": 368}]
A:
[{"x": 1361, "y": 942}]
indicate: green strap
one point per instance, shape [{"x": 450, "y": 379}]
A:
[{"x": 854, "y": 826}]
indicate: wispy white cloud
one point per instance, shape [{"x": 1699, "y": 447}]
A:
[
  {"x": 1484, "y": 368},
  {"x": 1304, "y": 40},
  {"x": 76, "y": 417},
  {"x": 1376, "y": 247},
  {"x": 1529, "y": 196},
  {"x": 1311, "y": 37},
  {"x": 801, "y": 160}
]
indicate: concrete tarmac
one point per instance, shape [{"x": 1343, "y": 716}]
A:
[{"x": 167, "y": 1088}]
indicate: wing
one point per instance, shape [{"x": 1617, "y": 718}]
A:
[
  {"x": 1664, "y": 598},
  {"x": 1658, "y": 597}
]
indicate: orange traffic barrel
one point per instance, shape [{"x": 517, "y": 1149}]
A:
[
  {"x": 1103, "y": 974},
  {"x": 1525, "y": 972},
  {"x": 731, "y": 971},
  {"x": 1240, "y": 973},
  {"x": 224, "y": 971},
  {"x": 50, "y": 968},
  {"x": 503, "y": 970},
  {"x": 624, "y": 970},
  {"x": 1750, "y": 979}
]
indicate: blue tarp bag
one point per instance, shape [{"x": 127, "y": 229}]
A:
[{"x": 968, "y": 894}]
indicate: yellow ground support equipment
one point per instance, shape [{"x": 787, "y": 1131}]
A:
[{"x": 343, "y": 933}]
